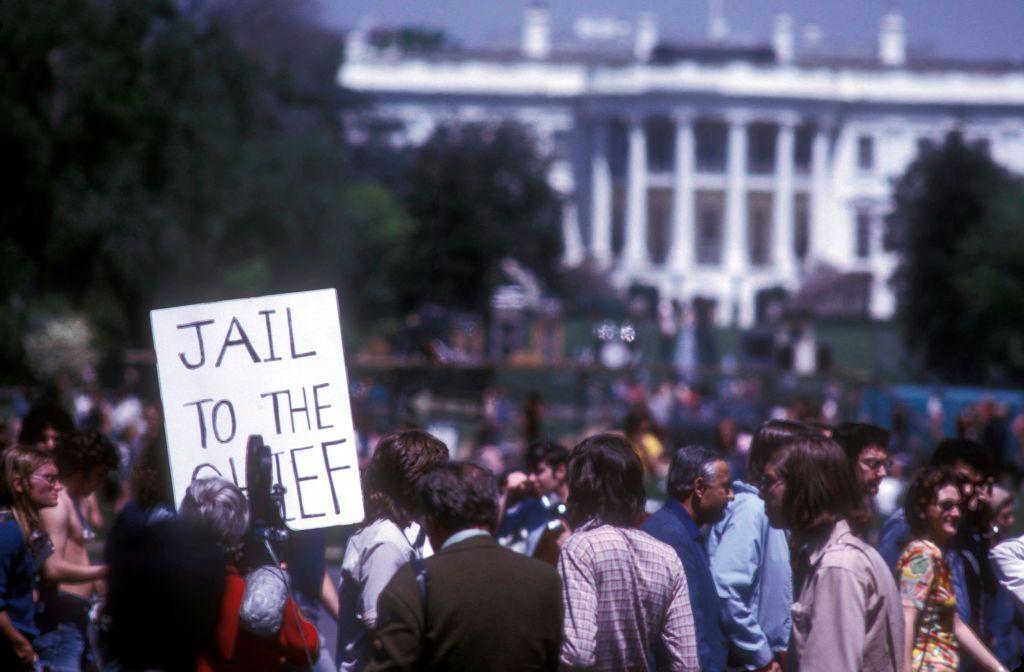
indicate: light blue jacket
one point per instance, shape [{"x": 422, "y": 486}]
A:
[{"x": 750, "y": 566}]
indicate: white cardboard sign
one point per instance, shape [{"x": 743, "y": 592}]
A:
[{"x": 274, "y": 366}]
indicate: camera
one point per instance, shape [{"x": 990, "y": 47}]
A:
[{"x": 266, "y": 502}]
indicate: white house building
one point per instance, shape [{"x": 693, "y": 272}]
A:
[{"x": 713, "y": 170}]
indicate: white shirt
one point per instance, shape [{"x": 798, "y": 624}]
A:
[
  {"x": 1008, "y": 561},
  {"x": 372, "y": 557}
]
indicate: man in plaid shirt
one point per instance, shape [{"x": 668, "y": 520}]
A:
[{"x": 627, "y": 605}]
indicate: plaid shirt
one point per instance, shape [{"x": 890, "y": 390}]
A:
[{"x": 625, "y": 594}]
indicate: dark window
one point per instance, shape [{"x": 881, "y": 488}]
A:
[
  {"x": 562, "y": 146},
  {"x": 709, "y": 236},
  {"x": 759, "y": 237},
  {"x": 660, "y": 144},
  {"x": 863, "y": 234},
  {"x": 802, "y": 148},
  {"x": 801, "y": 232},
  {"x": 865, "y": 152},
  {"x": 761, "y": 149},
  {"x": 711, "y": 143}
]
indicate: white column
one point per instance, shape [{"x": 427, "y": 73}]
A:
[
  {"x": 736, "y": 256},
  {"x": 681, "y": 256},
  {"x": 600, "y": 197},
  {"x": 572, "y": 240},
  {"x": 635, "y": 252},
  {"x": 819, "y": 190},
  {"x": 782, "y": 199}
]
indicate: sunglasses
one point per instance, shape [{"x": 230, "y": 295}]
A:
[
  {"x": 874, "y": 465},
  {"x": 52, "y": 480}
]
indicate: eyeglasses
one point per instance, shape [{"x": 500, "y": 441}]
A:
[
  {"x": 873, "y": 465},
  {"x": 947, "y": 505},
  {"x": 968, "y": 485},
  {"x": 51, "y": 480}
]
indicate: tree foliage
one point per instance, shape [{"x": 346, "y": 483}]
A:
[
  {"x": 159, "y": 153},
  {"x": 479, "y": 193},
  {"x": 957, "y": 223},
  {"x": 154, "y": 157}
]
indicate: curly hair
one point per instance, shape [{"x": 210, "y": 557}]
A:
[
  {"x": 820, "y": 486},
  {"x": 219, "y": 504},
  {"x": 392, "y": 477},
  {"x": 460, "y": 495},
  {"x": 81, "y": 452},
  {"x": 922, "y": 493},
  {"x": 606, "y": 481}
]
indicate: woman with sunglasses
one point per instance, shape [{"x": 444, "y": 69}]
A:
[
  {"x": 934, "y": 633},
  {"x": 31, "y": 484}
]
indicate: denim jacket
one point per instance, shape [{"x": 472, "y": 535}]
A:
[{"x": 750, "y": 566}]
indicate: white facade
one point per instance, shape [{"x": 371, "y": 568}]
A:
[{"x": 710, "y": 172}]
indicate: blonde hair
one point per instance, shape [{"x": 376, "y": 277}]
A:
[{"x": 20, "y": 462}]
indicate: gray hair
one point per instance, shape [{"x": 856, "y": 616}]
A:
[
  {"x": 689, "y": 464},
  {"x": 221, "y": 505}
]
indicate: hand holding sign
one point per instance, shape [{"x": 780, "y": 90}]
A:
[{"x": 274, "y": 366}]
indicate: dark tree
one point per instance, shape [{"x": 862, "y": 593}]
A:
[
  {"x": 956, "y": 224},
  {"x": 478, "y": 193}
]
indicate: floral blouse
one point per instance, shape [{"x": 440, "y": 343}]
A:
[{"x": 926, "y": 583}]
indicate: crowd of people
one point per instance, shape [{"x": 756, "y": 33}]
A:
[{"x": 778, "y": 561}]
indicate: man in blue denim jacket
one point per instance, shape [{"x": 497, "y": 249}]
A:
[
  {"x": 750, "y": 565},
  {"x": 699, "y": 491}
]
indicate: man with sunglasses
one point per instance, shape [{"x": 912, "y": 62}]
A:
[{"x": 972, "y": 577}]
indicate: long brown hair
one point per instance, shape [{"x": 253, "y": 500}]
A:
[
  {"x": 390, "y": 479},
  {"x": 820, "y": 486},
  {"x": 20, "y": 462}
]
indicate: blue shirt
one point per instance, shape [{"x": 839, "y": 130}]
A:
[
  {"x": 673, "y": 526},
  {"x": 750, "y": 566},
  {"x": 17, "y": 576}
]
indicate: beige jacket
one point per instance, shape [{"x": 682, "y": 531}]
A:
[{"x": 847, "y": 616}]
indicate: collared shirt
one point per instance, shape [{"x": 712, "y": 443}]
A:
[
  {"x": 462, "y": 535},
  {"x": 673, "y": 525},
  {"x": 848, "y": 616},
  {"x": 750, "y": 566},
  {"x": 372, "y": 557},
  {"x": 623, "y": 591}
]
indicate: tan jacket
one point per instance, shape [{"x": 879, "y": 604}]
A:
[{"x": 847, "y": 616}]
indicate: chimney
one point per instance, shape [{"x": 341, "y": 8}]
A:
[
  {"x": 646, "y": 36},
  {"x": 536, "y": 30},
  {"x": 356, "y": 47},
  {"x": 892, "y": 41},
  {"x": 782, "y": 39}
]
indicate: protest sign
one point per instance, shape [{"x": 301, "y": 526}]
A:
[{"x": 273, "y": 366}]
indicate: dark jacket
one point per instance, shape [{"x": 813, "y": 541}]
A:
[
  {"x": 673, "y": 526},
  {"x": 488, "y": 608}
]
